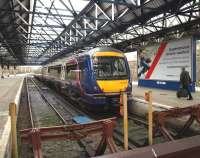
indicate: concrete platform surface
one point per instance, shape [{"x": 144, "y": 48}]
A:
[
  {"x": 165, "y": 98},
  {"x": 10, "y": 89}
]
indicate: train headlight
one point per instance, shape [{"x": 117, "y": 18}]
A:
[{"x": 95, "y": 88}]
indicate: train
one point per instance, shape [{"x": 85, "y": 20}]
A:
[{"x": 95, "y": 77}]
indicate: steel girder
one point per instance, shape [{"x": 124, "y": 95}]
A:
[
  {"x": 124, "y": 24},
  {"x": 11, "y": 27},
  {"x": 183, "y": 22},
  {"x": 6, "y": 58},
  {"x": 112, "y": 17}
]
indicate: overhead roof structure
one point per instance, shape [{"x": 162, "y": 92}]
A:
[
  {"x": 12, "y": 37},
  {"x": 40, "y": 31}
]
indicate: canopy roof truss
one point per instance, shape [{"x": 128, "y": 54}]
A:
[{"x": 40, "y": 31}]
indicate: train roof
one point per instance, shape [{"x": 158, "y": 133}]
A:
[
  {"x": 99, "y": 49},
  {"x": 103, "y": 49},
  {"x": 89, "y": 52}
]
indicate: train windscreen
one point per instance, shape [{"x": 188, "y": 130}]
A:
[{"x": 108, "y": 68}]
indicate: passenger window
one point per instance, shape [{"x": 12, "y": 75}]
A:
[
  {"x": 71, "y": 71},
  {"x": 59, "y": 70},
  {"x": 54, "y": 71}
]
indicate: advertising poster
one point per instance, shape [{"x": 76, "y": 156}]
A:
[
  {"x": 159, "y": 66},
  {"x": 164, "y": 61}
]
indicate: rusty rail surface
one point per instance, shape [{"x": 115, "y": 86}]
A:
[
  {"x": 182, "y": 148},
  {"x": 29, "y": 105},
  {"x": 72, "y": 132},
  {"x": 161, "y": 117}
]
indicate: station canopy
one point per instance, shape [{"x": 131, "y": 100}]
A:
[{"x": 35, "y": 32}]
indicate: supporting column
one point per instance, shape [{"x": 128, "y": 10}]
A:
[{"x": 12, "y": 112}]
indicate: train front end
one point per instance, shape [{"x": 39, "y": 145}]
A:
[{"x": 112, "y": 74}]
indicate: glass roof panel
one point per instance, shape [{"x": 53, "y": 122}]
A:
[
  {"x": 54, "y": 14},
  {"x": 60, "y": 10},
  {"x": 78, "y": 6}
]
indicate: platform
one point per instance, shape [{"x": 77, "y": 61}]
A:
[
  {"x": 10, "y": 90},
  {"x": 165, "y": 98}
]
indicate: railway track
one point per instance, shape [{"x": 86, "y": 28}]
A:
[
  {"x": 61, "y": 106},
  {"x": 63, "y": 118},
  {"x": 66, "y": 109},
  {"x": 74, "y": 107}
]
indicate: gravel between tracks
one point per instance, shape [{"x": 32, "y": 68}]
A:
[
  {"x": 23, "y": 121},
  {"x": 44, "y": 116}
]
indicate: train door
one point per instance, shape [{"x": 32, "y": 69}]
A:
[
  {"x": 85, "y": 76},
  {"x": 63, "y": 72},
  {"x": 198, "y": 63},
  {"x": 72, "y": 79},
  {"x": 71, "y": 73},
  {"x": 81, "y": 76}
]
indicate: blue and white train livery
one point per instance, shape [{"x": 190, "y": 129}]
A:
[{"x": 96, "y": 77}]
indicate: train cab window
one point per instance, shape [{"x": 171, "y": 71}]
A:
[
  {"x": 119, "y": 67},
  {"x": 110, "y": 68},
  {"x": 71, "y": 71}
]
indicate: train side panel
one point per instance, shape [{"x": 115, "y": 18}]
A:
[{"x": 80, "y": 79}]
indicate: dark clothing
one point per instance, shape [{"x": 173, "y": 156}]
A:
[
  {"x": 185, "y": 81},
  {"x": 189, "y": 93}
]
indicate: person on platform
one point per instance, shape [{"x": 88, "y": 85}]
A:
[{"x": 185, "y": 81}]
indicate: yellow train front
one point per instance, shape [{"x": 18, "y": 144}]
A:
[
  {"x": 103, "y": 74},
  {"x": 95, "y": 77}
]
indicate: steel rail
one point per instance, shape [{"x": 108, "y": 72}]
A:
[
  {"x": 83, "y": 144},
  {"x": 46, "y": 101},
  {"x": 118, "y": 135},
  {"x": 88, "y": 149},
  {"x": 29, "y": 105},
  {"x": 137, "y": 119}
]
